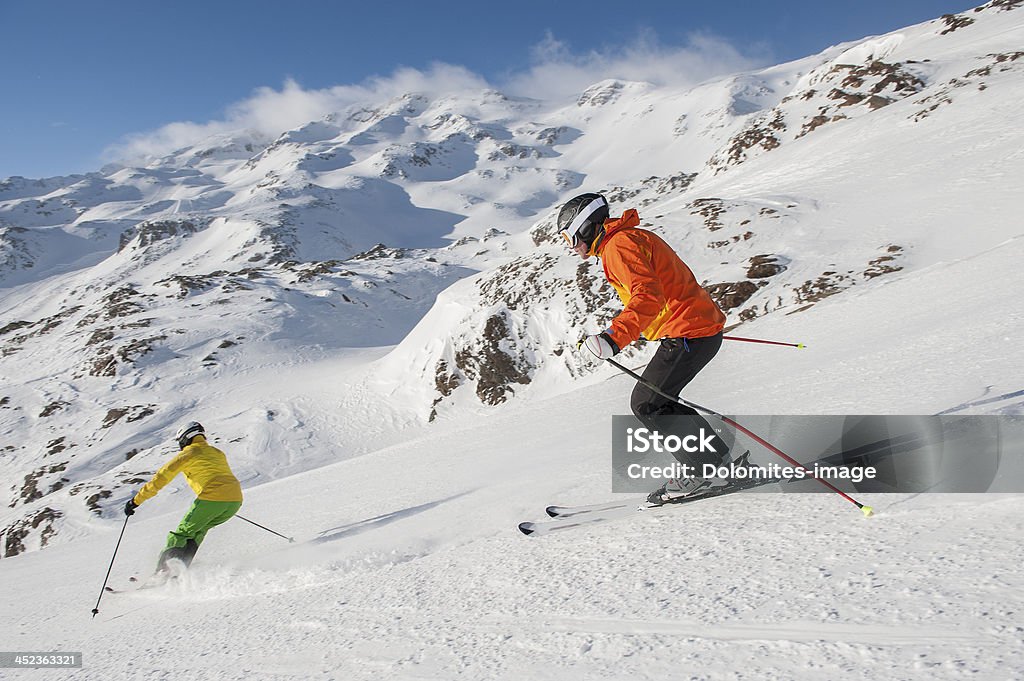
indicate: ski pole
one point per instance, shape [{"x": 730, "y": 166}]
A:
[
  {"x": 290, "y": 540},
  {"x": 766, "y": 342},
  {"x": 96, "y": 610},
  {"x": 749, "y": 340},
  {"x": 866, "y": 510}
]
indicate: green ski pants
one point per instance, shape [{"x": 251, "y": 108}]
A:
[{"x": 200, "y": 518}]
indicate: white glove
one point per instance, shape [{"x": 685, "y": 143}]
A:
[{"x": 601, "y": 345}]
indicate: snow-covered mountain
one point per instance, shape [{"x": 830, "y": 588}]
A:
[
  {"x": 427, "y": 223},
  {"x": 392, "y": 269},
  {"x": 373, "y": 316}
]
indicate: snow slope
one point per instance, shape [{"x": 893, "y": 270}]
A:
[{"x": 407, "y": 562}]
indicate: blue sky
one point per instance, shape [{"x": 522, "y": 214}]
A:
[{"x": 84, "y": 81}]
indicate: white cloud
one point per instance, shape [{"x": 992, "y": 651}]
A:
[
  {"x": 269, "y": 112},
  {"x": 555, "y": 73}
]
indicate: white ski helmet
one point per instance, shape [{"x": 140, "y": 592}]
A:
[
  {"x": 582, "y": 218},
  {"x": 187, "y": 432}
]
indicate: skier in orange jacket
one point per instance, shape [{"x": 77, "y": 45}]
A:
[{"x": 662, "y": 301}]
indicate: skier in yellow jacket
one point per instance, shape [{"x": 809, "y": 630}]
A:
[{"x": 218, "y": 494}]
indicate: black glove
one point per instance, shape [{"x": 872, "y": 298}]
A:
[{"x": 129, "y": 508}]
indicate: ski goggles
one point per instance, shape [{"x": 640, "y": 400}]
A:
[{"x": 571, "y": 233}]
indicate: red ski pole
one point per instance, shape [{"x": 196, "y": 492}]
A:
[
  {"x": 766, "y": 342},
  {"x": 866, "y": 510}
]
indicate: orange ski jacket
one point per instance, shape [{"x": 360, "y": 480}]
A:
[
  {"x": 661, "y": 296},
  {"x": 205, "y": 469}
]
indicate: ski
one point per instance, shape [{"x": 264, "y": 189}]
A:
[
  {"x": 173, "y": 575},
  {"x": 570, "y": 517},
  {"x": 144, "y": 586},
  {"x": 537, "y": 529},
  {"x": 138, "y": 585},
  {"x": 568, "y": 511}
]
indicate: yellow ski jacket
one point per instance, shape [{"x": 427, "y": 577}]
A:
[{"x": 205, "y": 469}]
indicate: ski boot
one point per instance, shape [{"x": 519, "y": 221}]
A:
[
  {"x": 743, "y": 460},
  {"x": 181, "y": 556},
  {"x": 675, "y": 489}
]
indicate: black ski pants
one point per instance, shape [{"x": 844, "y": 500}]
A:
[{"x": 675, "y": 364}]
